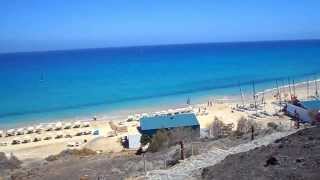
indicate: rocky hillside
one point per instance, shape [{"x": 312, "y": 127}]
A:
[{"x": 294, "y": 157}]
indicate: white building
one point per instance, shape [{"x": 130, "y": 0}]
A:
[
  {"x": 303, "y": 109},
  {"x": 134, "y": 141}
]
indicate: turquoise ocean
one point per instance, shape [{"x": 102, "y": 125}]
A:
[{"x": 57, "y": 85}]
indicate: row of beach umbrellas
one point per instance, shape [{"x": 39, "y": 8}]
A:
[
  {"x": 58, "y": 135},
  {"x": 49, "y": 127},
  {"x": 161, "y": 113}
]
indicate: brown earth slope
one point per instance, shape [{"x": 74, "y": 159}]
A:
[{"x": 294, "y": 157}]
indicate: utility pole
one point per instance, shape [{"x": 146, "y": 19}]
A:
[
  {"x": 182, "y": 150},
  {"x": 252, "y": 133}
]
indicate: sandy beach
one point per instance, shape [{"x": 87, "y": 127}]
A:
[{"x": 107, "y": 140}]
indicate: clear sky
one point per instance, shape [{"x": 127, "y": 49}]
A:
[{"x": 36, "y": 25}]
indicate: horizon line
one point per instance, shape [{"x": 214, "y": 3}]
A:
[{"x": 155, "y": 45}]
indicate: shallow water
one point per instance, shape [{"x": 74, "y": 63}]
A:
[{"x": 43, "y": 86}]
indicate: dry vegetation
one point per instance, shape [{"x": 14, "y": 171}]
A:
[
  {"x": 164, "y": 139},
  {"x": 71, "y": 152}
]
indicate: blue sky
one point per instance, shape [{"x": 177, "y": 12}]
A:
[{"x": 37, "y": 25}]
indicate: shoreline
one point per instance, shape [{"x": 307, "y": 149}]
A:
[
  {"x": 122, "y": 113},
  {"x": 108, "y": 140}
]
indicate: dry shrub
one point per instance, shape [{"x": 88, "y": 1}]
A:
[
  {"x": 145, "y": 139},
  {"x": 216, "y": 129},
  {"x": 314, "y": 116},
  {"x": 182, "y": 134},
  {"x": 272, "y": 125},
  {"x": 159, "y": 141},
  {"x": 244, "y": 126},
  {"x": 165, "y": 138},
  {"x": 71, "y": 152}
]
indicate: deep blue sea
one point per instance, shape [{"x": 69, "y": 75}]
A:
[{"x": 56, "y": 85}]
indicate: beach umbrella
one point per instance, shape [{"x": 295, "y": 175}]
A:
[
  {"x": 145, "y": 115},
  {"x": 86, "y": 124},
  {"x": 39, "y": 127},
  {"x": 138, "y": 116},
  {"x": 171, "y": 111},
  {"x": 30, "y": 129},
  {"x": 49, "y": 127},
  {"x": 59, "y": 125},
  {"x": 20, "y": 131},
  {"x": 164, "y": 112},
  {"x": 59, "y": 135},
  {"x": 77, "y": 124},
  {"x": 16, "y": 141},
  {"x": 11, "y": 132},
  {"x": 26, "y": 139},
  {"x": 67, "y": 125}
]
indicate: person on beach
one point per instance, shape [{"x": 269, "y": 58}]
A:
[{"x": 297, "y": 119}]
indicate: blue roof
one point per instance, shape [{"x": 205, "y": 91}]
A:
[
  {"x": 313, "y": 104},
  {"x": 168, "y": 121}
]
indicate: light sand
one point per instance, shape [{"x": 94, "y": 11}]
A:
[{"x": 223, "y": 111}]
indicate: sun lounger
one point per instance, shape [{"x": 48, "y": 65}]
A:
[
  {"x": 20, "y": 131},
  {"x": 36, "y": 139},
  {"x": 38, "y": 129},
  {"x": 130, "y": 118},
  {"x": 24, "y": 141},
  {"x": 87, "y": 133},
  {"x": 58, "y": 126},
  {"x": 15, "y": 141},
  {"x": 30, "y": 130},
  {"x": 86, "y": 124},
  {"x": 49, "y": 127},
  {"x": 73, "y": 144},
  {"x": 10, "y": 132},
  {"x": 68, "y": 126},
  {"x": 47, "y": 138},
  {"x": 79, "y": 134},
  {"x": 59, "y": 136},
  {"x": 68, "y": 136},
  {"x": 77, "y": 124},
  {"x": 111, "y": 134}
]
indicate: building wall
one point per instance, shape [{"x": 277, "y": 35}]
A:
[{"x": 303, "y": 113}]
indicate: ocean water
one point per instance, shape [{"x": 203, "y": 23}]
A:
[{"x": 57, "y": 85}]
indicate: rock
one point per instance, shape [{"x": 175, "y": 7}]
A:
[
  {"x": 271, "y": 161},
  {"x": 300, "y": 160}
]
